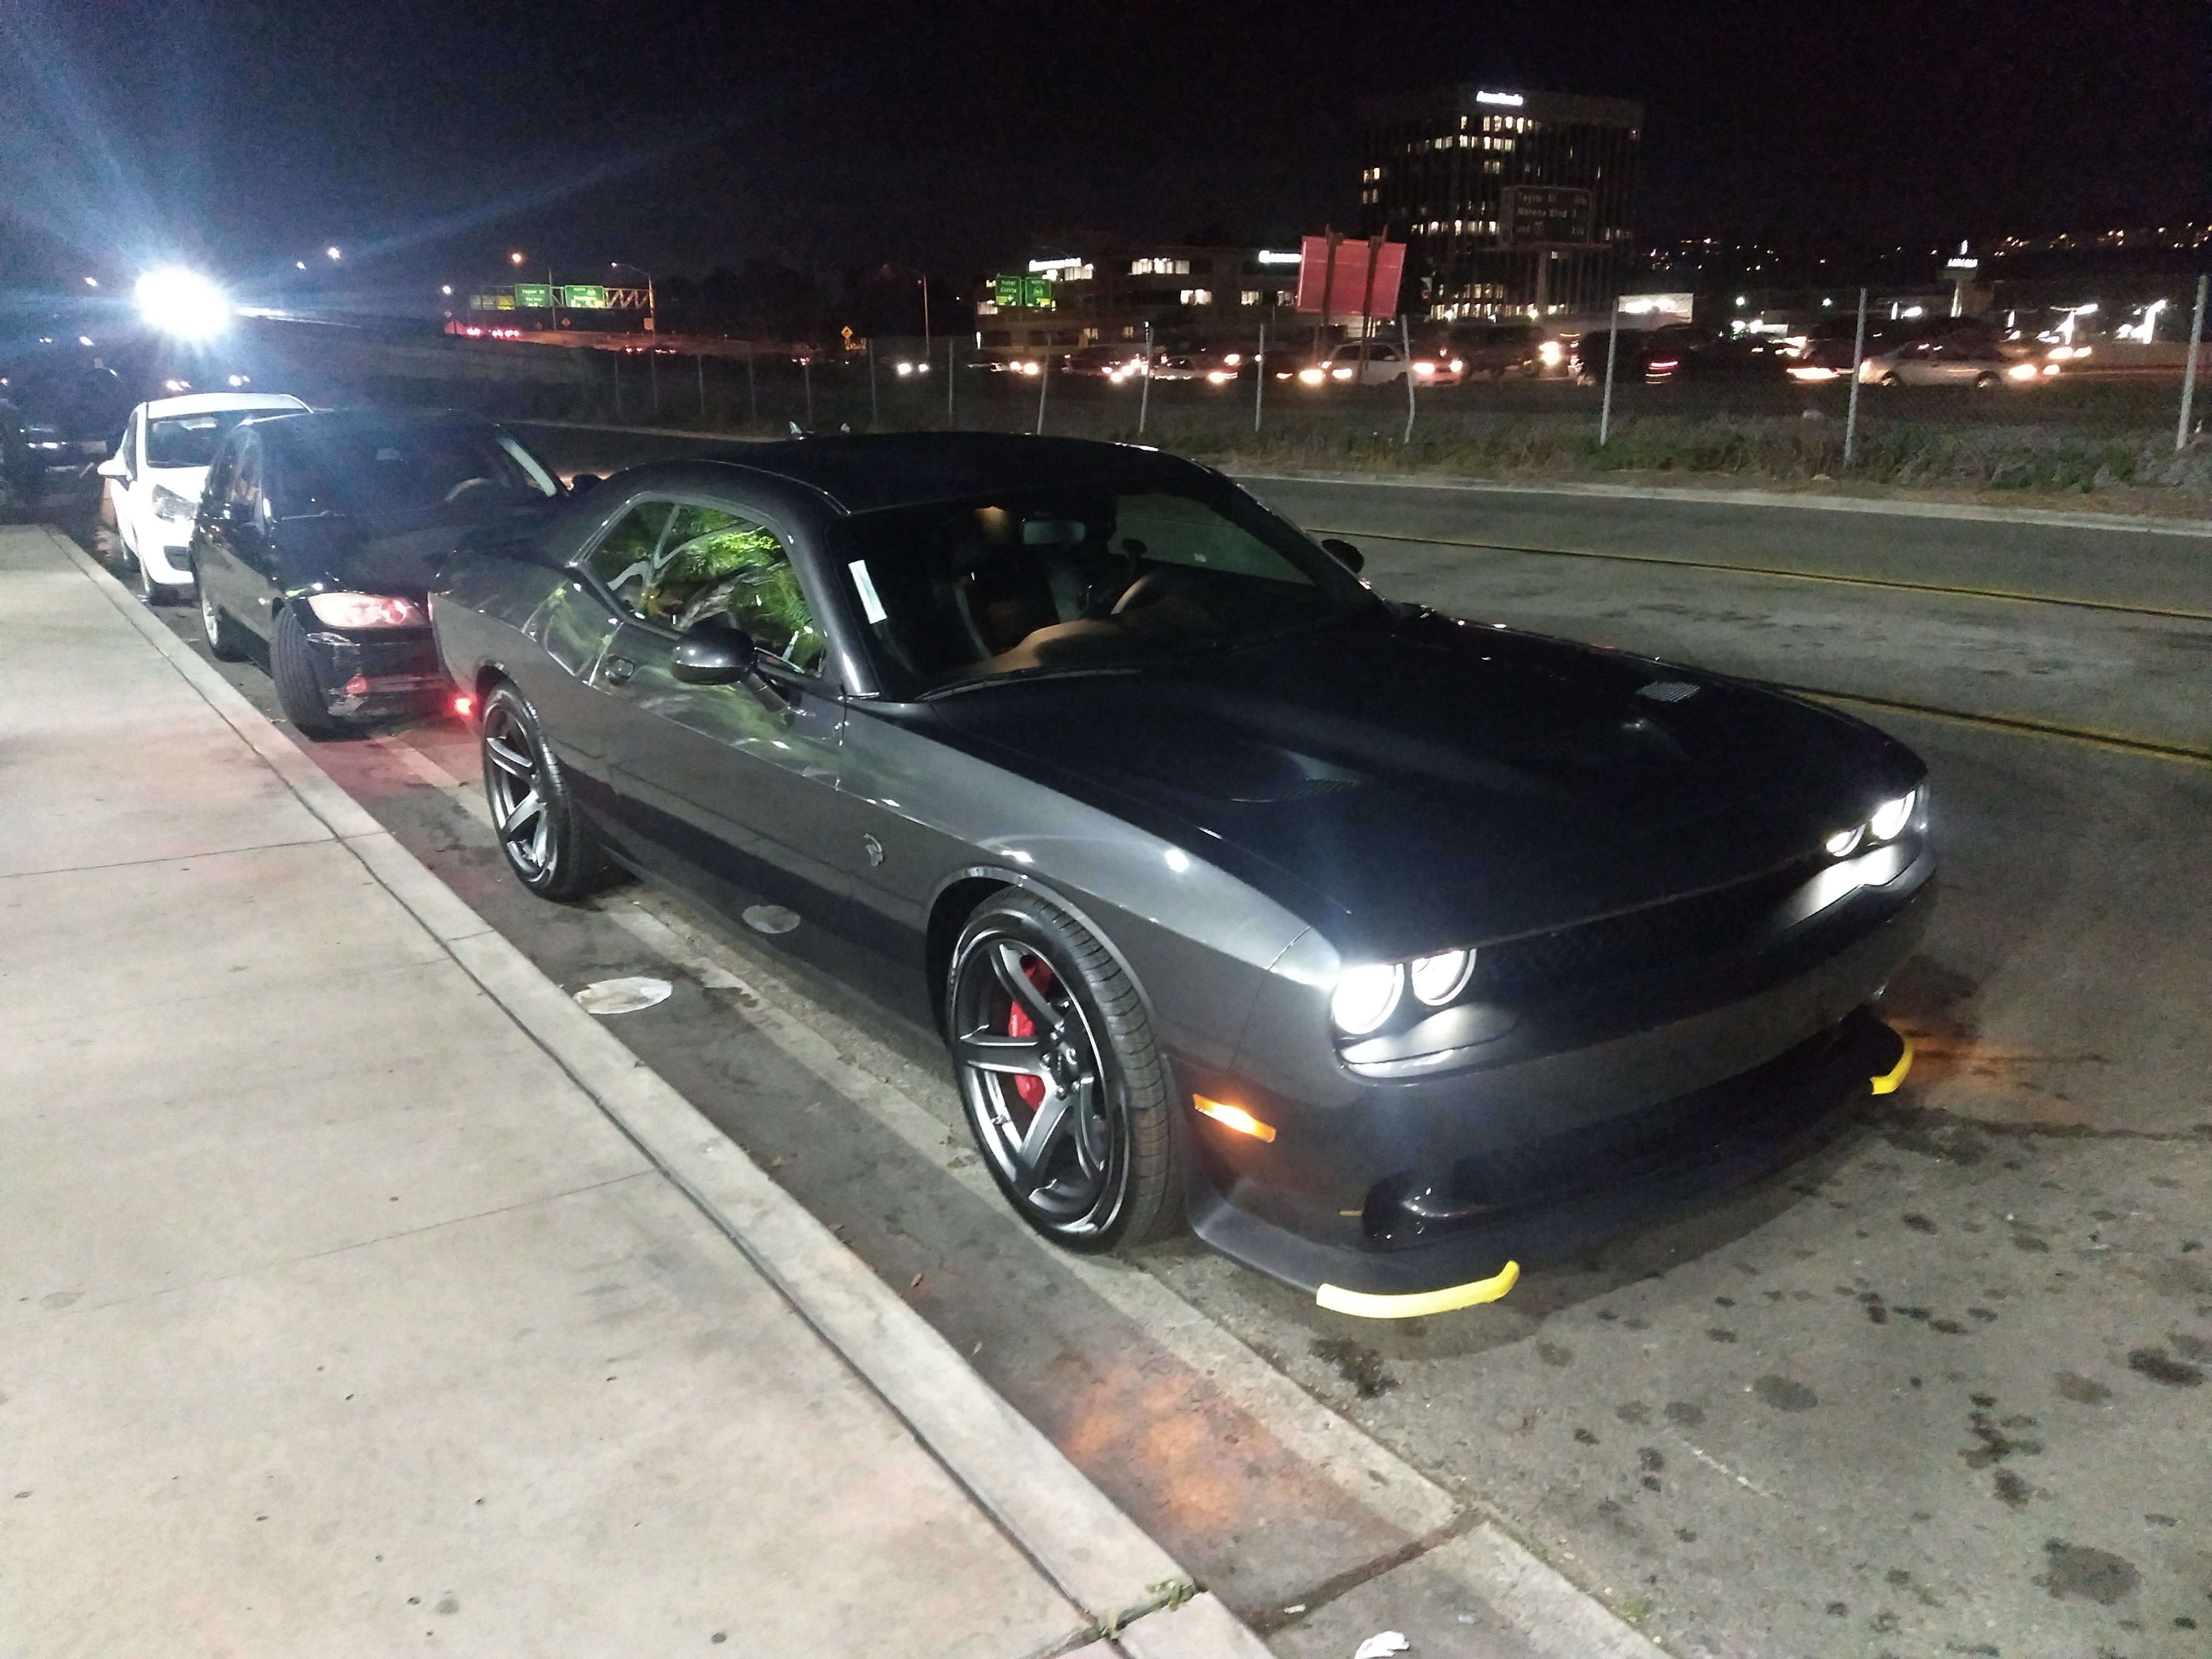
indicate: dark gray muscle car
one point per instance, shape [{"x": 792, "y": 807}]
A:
[{"x": 1378, "y": 946}]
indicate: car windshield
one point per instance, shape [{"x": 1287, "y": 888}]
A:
[
  {"x": 401, "y": 467},
  {"x": 190, "y": 440},
  {"x": 1080, "y": 580}
]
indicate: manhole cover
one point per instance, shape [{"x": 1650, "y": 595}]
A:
[
  {"x": 771, "y": 918},
  {"x": 621, "y": 996}
]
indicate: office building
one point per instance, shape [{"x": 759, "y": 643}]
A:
[
  {"x": 1509, "y": 203},
  {"x": 1098, "y": 290}
]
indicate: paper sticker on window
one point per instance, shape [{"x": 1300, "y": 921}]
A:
[{"x": 870, "y": 604}]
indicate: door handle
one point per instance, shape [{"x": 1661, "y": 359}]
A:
[{"x": 617, "y": 670}]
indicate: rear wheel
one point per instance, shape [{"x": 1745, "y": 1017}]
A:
[
  {"x": 1985, "y": 381},
  {"x": 548, "y": 845},
  {"x": 225, "y": 640},
  {"x": 300, "y": 687},
  {"x": 1062, "y": 1082},
  {"x": 1891, "y": 382}
]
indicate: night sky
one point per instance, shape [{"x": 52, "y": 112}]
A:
[{"x": 428, "y": 139}]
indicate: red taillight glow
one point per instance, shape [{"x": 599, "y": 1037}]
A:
[{"x": 465, "y": 705}]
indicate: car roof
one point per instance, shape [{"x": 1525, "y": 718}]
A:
[
  {"x": 204, "y": 403},
  {"x": 871, "y": 472}
]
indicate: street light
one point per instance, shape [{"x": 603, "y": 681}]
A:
[
  {"x": 183, "y": 303},
  {"x": 331, "y": 252},
  {"x": 446, "y": 289},
  {"x": 651, "y": 316},
  {"x": 92, "y": 282},
  {"x": 514, "y": 259}
]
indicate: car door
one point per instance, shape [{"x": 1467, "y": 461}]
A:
[
  {"x": 738, "y": 782},
  {"x": 133, "y": 490},
  {"x": 1383, "y": 364},
  {"x": 250, "y": 563},
  {"x": 226, "y": 533}
]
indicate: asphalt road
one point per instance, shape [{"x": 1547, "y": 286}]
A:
[{"x": 1937, "y": 1390}]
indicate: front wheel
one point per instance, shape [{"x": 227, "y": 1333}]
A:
[
  {"x": 1062, "y": 1080},
  {"x": 300, "y": 689},
  {"x": 1985, "y": 381},
  {"x": 1891, "y": 382},
  {"x": 548, "y": 846},
  {"x": 152, "y": 591},
  {"x": 225, "y": 642}
]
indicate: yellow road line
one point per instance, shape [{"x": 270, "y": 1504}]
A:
[
  {"x": 1783, "y": 575},
  {"x": 2095, "y": 739}
]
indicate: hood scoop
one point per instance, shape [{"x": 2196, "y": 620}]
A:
[{"x": 1667, "y": 690}]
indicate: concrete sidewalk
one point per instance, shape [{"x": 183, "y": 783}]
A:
[{"x": 357, "y": 1292}]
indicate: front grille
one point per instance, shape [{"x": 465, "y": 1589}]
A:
[{"x": 1703, "y": 924}]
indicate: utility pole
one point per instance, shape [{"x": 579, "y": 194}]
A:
[
  {"x": 1851, "y": 413},
  {"x": 1144, "y": 391},
  {"x": 949, "y": 345},
  {"x": 1044, "y": 385},
  {"x": 2189, "y": 374},
  {"x": 1258, "y": 379},
  {"x": 1611, "y": 351},
  {"x": 1406, "y": 350}
]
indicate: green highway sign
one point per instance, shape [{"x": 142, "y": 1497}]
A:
[
  {"x": 534, "y": 297},
  {"x": 584, "y": 296},
  {"x": 1022, "y": 293}
]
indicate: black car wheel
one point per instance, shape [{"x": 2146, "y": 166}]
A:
[
  {"x": 300, "y": 687},
  {"x": 1890, "y": 382},
  {"x": 1985, "y": 381},
  {"x": 547, "y": 844},
  {"x": 225, "y": 642},
  {"x": 1063, "y": 1084}
]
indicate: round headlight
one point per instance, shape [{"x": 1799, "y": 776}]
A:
[
  {"x": 1437, "y": 980},
  {"x": 1891, "y": 815},
  {"x": 1845, "y": 840},
  {"x": 1365, "y": 995}
]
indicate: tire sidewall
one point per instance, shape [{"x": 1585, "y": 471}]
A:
[
  {"x": 1124, "y": 1065},
  {"x": 300, "y": 687},
  {"x": 571, "y": 870}
]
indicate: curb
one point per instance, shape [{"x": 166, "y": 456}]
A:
[
  {"x": 2049, "y": 517},
  {"x": 1094, "y": 1554}
]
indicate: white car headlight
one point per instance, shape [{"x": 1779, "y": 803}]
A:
[
  {"x": 1844, "y": 842},
  {"x": 1365, "y": 996},
  {"x": 167, "y": 504},
  {"x": 1891, "y": 817},
  {"x": 1437, "y": 980},
  {"x": 365, "y": 611}
]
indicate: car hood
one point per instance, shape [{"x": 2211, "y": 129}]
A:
[
  {"x": 395, "y": 553},
  {"x": 1414, "y": 782}
]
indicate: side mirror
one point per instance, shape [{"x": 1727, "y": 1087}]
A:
[
  {"x": 718, "y": 656},
  {"x": 582, "y": 482},
  {"x": 1345, "y": 554},
  {"x": 113, "y": 467}
]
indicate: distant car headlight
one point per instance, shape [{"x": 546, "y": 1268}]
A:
[
  {"x": 1218, "y": 377},
  {"x": 2021, "y": 372},
  {"x": 1891, "y": 817},
  {"x": 1365, "y": 996},
  {"x": 1339, "y": 373},
  {"x": 1312, "y": 376},
  {"x": 365, "y": 611},
  {"x": 1437, "y": 980},
  {"x": 906, "y": 368},
  {"x": 1424, "y": 368},
  {"x": 1233, "y": 358},
  {"x": 167, "y": 504},
  {"x": 1551, "y": 353},
  {"x": 1459, "y": 365}
]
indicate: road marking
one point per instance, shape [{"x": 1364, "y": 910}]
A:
[
  {"x": 2047, "y": 518},
  {"x": 1777, "y": 573},
  {"x": 2095, "y": 739}
]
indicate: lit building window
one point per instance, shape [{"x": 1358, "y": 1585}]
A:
[
  {"x": 1197, "y": 296},
  {"x": 1159, "y": 268},
  {"x": 1249, "y": 296}
]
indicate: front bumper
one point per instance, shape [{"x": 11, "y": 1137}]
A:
[
  {"x": 170, "y": 566},
  {"x": 1685, "y": 1083},
  {"x": 388, "y": 671}
]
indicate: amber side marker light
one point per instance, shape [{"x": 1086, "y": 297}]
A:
[{"x": 1234, "y": 1117}]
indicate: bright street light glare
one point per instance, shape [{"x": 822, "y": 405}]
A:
[
  {"x": 183, "y": 303},
  {"x": 446, "y": 289},
  {"x": 514, "y": 259},
  {"x": 332, "y": 252},
  {"x": 92, "y": 282}
]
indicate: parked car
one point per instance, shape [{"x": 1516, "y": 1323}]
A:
[
  {"x": 1103, "y": 361},
  {"x": 1380, "y": 946},
  {"x": 1497, "y": 350},
  {"x": 318, "y": 534},
  {"x": 58, "y": 416},
  {"x": 1958, "y": 359},
  {"x": 156, "y": 475},
  {"x": 1386, "y": 364}
]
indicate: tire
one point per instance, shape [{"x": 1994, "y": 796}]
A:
[
  {"x": 1985, "y": 381},
  {"x": 300, "y": 689},
  {"x": 1890, "y": 382},
  {"x": 152, "y": 591},
  {"x": 226, "y": 641},
  {"x": 549, "y": 847},
  {"x": 1106, "y": 1174}
]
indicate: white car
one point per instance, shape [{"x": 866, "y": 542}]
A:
[
  {"x": 1385, "y": 367},
  {"x": 153, "y": 478},
  {"x": 1953, "y": 362}
]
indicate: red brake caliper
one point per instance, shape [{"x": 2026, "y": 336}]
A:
[{"x": 1020, "y": 1024}]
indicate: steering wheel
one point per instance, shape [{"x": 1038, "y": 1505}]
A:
[{"x": 1148, "y": 589}]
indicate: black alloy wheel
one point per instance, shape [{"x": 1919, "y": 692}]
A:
[
  {"x": 549, "y": 847},
  {"x": 300, "y": 689},
  {"x": 225, "y": 642},
  {"x": 1062, "y": 1080}
]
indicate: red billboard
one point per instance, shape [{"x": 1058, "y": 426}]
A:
[{"x": 1339, "y": 273}]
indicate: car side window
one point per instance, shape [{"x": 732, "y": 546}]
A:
[
  {"x": 217, "y": 486},
  {"x": 246, "y": 480},
  {"x": 714, "y": 563},
  {"x": 623, "y": 558}
]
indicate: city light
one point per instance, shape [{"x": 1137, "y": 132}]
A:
[
  {"x": 514, "y": 259},
  {"x": 183, "y": 303},
  {"x": 331, "y": 252},
  {"x": 92, "y": 282},
  {"x": 446, "y": 289}
]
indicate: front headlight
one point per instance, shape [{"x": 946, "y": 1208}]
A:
[
  {"x": 1365, "y": 996},
  {"x": 365, "y": 611},
  {"x": 1437, "y": 980},
  {"x": 1312, "y": 376},
  {"x": 167, "y": 504},
  {"x": 1891, "y": 817}
]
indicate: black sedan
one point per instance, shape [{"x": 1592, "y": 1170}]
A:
[
  {"x": 1379, "y": 946},
  {"x": 318, "y": 534}
]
